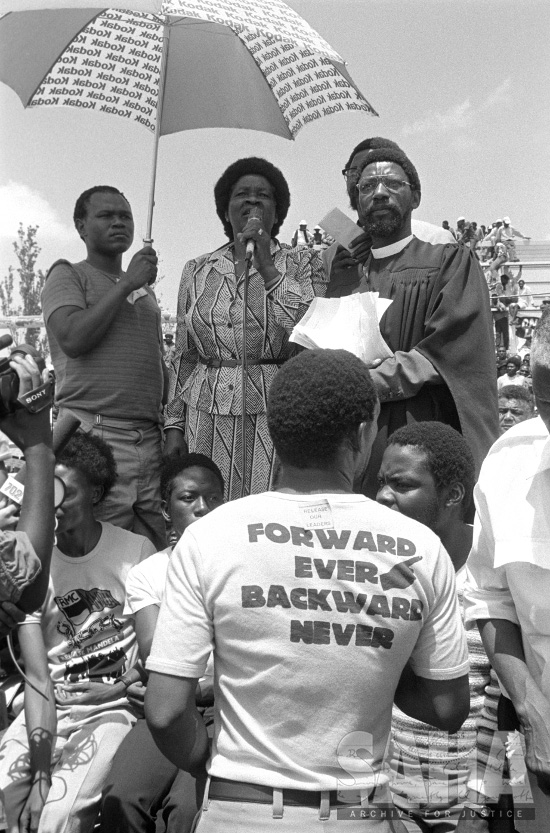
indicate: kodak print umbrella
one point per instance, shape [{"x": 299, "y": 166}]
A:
[{"x": 176, "y": 65}]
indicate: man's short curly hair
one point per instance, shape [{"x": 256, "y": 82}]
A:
[
  {"x": 173, "y": 466},
  {"x": 93, "y": 458},
  {"x": 244, "y": 167},
  {"x": 81, "y": 205},
  {"x": 316, "y": 400},
  {"x": 448, "y": 456}
]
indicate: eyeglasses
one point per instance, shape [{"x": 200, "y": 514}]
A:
[
  {"x": 369, "y": 186},
  {"x": 347, "y": 172}
]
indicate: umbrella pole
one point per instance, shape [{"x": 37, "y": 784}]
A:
[
  {"x": 244, "y": 380},
  {"x": 160, "y": 102}
]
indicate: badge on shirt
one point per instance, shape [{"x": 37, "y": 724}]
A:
[
  {"x": 137, "y": 293},
  {"x": 316, "y": 515},
  {"x": 13, "y": 490}
]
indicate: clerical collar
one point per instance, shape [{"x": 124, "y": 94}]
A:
[{"x": 392, "y": 249}]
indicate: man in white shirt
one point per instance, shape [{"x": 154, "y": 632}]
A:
[
  {"x": 510, "y": 571},
  {"x": 326, "y": 607},
  {"x": 525, "y": 293}
]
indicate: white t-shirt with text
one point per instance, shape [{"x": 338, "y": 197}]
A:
[{"x": 312, "y": 604}]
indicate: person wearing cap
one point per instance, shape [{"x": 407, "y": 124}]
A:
[
  {"x": 506, "y": 234},
  {"x": 302, "y": 237},
  {"x": 169, "y": 349},
  {"x": 439, "y": 325},
  {"x": 343, "y": 266},
  {"x": 318, "y": 243}
]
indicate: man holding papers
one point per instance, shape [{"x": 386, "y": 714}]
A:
[{"x": 439, "y": 324}]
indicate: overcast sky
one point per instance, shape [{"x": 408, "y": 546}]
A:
[{"x": 462, "y": 86}]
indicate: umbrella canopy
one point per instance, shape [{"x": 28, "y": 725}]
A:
[
  {"x": 230, "y": 63},
  {"x": 176, "y": 65}
]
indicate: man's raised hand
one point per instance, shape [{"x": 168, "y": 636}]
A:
[{"x": 142, "y": 269}]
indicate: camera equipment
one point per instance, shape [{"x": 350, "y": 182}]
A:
[
  {"x": 9, "y": 381},
  {"x": 12, "y": 486}
]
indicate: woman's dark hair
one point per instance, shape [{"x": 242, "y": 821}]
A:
[
  {"x": 93, "y": 458},
  {"x": 259, "y": 167}
]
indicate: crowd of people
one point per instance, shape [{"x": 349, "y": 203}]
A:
[{"x": 276, "y": 597}]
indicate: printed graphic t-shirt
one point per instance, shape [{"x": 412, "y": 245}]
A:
[
  {"x": 86, "y": 634},
  {"x": 312, "y": 604}
]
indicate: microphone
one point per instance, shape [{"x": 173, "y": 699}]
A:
[
  {"x": 5, "y": 341},
  {"x": 256, "y": 213}
]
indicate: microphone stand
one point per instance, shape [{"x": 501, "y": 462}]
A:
[{"x": 244, "y": 380}]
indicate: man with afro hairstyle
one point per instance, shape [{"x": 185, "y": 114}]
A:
[
  {"x": 428, "y": 474},
  {"x": 314, "y": 600},
  {"x": 80, "y": 655},
  {"x": 439, "y": 324}
]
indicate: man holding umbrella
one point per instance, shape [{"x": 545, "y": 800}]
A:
[{"x": 105, "y": 335}]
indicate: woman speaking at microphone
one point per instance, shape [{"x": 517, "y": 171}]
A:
[{"x": 209, "y": 410}]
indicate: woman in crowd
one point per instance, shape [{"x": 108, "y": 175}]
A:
[
  {"x": 205, "y": 404},
  {"x": 143, "y": 783}
]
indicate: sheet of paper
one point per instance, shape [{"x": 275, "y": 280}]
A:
[
  {"x": 340, "y": 226},
  {"x": 349, "y": 323}
]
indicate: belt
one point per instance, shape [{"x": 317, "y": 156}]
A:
[
  {"x": 211, "y": 362},
  {"x": 121, "y": 423},
  {"x": 221, "y": 789}
]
